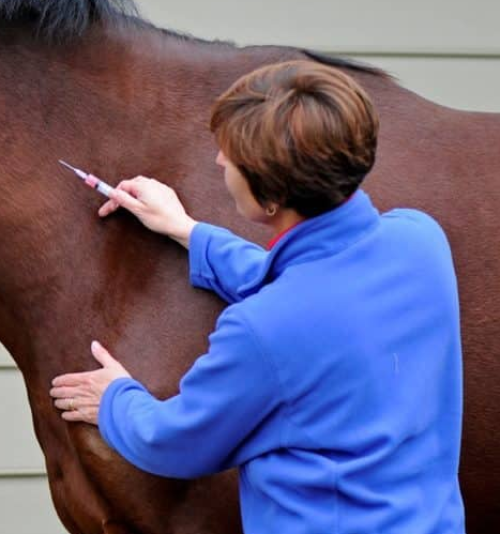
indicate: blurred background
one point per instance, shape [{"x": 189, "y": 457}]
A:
[{"x": 446, "y": 50}]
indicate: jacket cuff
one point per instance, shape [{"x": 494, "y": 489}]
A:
[
  {"x": 105, "y": 417},
  {"x": 199, "y": 270}
]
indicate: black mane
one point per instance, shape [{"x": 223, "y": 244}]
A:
[
  {"x": 56, "y": 20},
  {"x": 342, "y": 63}
]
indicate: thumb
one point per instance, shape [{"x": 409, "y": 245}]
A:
[{"x": 101, "y": 354}]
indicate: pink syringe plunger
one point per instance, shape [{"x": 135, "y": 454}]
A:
[{"x": 90, "y": 179}]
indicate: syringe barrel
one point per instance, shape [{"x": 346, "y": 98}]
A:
[
  {"x": 104, "y": 188},
  {"x": 97, "y": 183}
]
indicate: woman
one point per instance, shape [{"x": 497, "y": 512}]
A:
[{"x": 333, "y": 380}]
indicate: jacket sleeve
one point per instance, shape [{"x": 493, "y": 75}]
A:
[
  {"x": 222, "y": 261},
  {"x": 204, "y": 428}
]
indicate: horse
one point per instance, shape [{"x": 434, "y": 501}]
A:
[{"x": 95, "y": 85}]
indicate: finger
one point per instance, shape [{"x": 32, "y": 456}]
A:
[
  {"x": 112, "y": 205},
  {"x": 70, "y": 379},
  {"x": 126, "y": 200},
  {"x": 66, "y": 393},
  {"x": 73, "y": 416},
  {"x": 108, "y": 207},
  {"x": 67, "y": 404},
  {"x": 134, "y": 186},
  {"x": 102, "y": 355}
]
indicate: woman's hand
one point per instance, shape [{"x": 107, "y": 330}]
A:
[
  {"x": 155, "y": 204},
  {"x": 79, "y": 394}
]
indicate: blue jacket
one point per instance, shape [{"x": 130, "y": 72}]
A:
[{"x": 333, "y": 380}]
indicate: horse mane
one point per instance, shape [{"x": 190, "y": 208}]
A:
[
  {"x": 342, "y": 63},
  {"x": 61, "y": 20}
]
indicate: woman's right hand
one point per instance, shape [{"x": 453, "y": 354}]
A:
[{"x": 155, "y": 204}]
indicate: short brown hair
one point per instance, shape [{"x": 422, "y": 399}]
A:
[{"x": 303, "y": 134}]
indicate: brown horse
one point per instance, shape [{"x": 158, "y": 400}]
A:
[{"x": 119, "y": 97}]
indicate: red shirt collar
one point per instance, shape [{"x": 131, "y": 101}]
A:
[{"x": 276, "y": 238}]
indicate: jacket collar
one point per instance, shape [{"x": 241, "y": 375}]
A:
[{"x": 317, "y": 237}]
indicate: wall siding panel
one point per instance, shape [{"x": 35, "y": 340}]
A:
[{"x": 26, "y": 507}]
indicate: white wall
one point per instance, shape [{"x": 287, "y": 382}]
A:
[
  {"x": 447, "y": 50},
  {"x": 25, "y": 505}
]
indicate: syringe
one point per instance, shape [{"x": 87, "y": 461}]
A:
[{"x": 90, "y": 179}]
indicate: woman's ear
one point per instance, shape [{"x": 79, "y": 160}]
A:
[{"x": 219, "y": 160}]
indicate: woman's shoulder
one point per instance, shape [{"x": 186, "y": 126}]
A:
[
  {"x": 413, "y": 215},
  {"x": 414, "y": 223}
]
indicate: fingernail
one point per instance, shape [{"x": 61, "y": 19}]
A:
[{"x": 95, "y": 344}]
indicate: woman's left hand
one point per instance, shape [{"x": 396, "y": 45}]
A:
[{"x": 79, "y": 394}]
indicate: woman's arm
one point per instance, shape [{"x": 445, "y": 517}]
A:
[{"x": 222, "y": 261}]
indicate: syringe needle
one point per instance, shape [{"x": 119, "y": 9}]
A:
[{"x": 90, "y": 179}]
